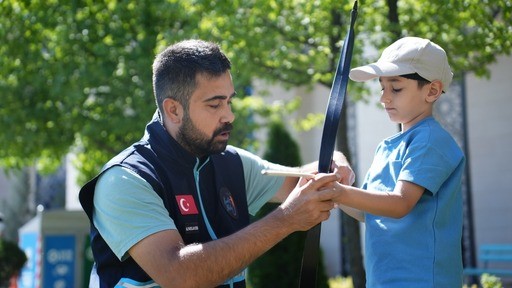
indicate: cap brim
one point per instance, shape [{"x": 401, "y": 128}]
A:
[{"x": 379, "y": 69}]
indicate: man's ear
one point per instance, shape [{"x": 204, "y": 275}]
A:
[
  {"x": 173, "y": 110},
  {"x": 435, "y": 90}
]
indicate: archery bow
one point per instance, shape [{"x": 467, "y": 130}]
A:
[{"x": 332, "y": 118}]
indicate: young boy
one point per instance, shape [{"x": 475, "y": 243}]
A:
[{"x": 411, "y": 199}]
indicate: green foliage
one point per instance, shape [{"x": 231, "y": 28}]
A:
[
  {"x": 76, "y": 75},
  {"x": 12, "y": 259},
  {"x": 487, "y": 281},
  {"x": 473, "y": 32},
  {"x": 281, "y": 148},
  {"x": 490, "y": 281},
  {"x": 73, "y": 75},
  {"x": 340, "y": 282}
]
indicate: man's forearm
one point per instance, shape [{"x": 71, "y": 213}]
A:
[
  {"x": 171, "y": 264},
  {"x": 213, "y": 262}
]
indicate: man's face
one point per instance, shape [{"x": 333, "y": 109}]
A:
[{"x": 207, "y": 124}]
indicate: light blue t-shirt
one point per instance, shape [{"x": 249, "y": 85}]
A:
[
  {"x": 422, "y": 249},
  {"x": 126, "y": 209}
]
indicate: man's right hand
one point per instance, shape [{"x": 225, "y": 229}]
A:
[{"x": 309, "y": 203}]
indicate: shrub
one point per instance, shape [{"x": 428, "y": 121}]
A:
[
  {"x": 12, "y": 259},
  {"x": 490, "y": 281}
]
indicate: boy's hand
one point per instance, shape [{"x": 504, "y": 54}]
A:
[{"x": 341, "y": 167}]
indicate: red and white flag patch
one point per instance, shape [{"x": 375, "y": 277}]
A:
[{"x": 187, "y": 204}]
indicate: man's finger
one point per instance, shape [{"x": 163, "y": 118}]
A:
[{"x": 322, "y": 180}]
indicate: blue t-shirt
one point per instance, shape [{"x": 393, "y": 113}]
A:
[
  {"x": 126, "y": 209},
  {"x": 422, "y": 249}
]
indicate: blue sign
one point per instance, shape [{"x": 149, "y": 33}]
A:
[
  {"x": 28, "y": 243},
  {"x": 59, "y": 261}
]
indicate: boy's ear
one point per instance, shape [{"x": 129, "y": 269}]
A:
[
  {"x": 173, "y": 110},
  {"x": 435, "y": 90}
]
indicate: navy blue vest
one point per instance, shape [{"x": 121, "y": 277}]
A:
[{"x": 172, "y": 172}]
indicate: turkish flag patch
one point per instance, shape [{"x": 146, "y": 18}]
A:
[{"x": 187, "y": 204}]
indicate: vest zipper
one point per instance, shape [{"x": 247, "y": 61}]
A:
[
  {"x": 203, "y": 211},
  {"x": 209, "y": 227}
]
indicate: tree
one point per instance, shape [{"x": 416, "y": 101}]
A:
[{"x": 75, "y": 76}]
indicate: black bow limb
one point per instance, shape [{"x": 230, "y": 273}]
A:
[{"x": 332, "y": 118}]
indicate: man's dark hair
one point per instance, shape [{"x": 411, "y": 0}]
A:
[{"x": 175, "y": 69}]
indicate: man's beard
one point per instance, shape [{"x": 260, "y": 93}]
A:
[{"x": 197, "y": 142}]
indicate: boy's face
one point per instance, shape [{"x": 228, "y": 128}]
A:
[{"x": 405, "y": 102}]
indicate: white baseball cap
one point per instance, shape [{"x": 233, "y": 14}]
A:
[{"x": 408, "y": 55}]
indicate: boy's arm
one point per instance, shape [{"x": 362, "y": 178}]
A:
[
  {"x": 352, "y": 212},
  {"x": 394, "y": 204}
]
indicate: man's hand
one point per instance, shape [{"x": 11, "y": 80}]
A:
[{"x": 310, "y": 202}]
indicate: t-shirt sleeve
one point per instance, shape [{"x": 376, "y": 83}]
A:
[
  {"x": 426, "y": 165},
  {"x": 126, "y": 210},
  {"x": 259, "y": 188}
]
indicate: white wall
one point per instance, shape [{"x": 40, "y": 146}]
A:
[
  {"x": 3, "y": 185},
  {"x": 72, "y": 188},
  {"x": 489, "y": 110}
]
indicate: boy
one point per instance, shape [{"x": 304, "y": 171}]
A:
[{"x": 411, "y": 199}]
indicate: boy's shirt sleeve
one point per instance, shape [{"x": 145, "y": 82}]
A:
[
  {"x": 126, "y": 210},
  {"x": 429, "y": 165}
]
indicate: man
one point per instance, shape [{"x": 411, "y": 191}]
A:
[{"x": 172, "y": 210}]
